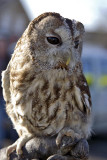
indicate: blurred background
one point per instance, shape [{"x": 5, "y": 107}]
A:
[{"x": 15, "y": 16}]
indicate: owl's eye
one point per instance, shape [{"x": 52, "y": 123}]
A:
[
  {"x": 53, "y": 40},
  {"x": 76, "y": 42}
]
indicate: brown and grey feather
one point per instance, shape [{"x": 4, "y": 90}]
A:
[{"x": 45, "y": 93}]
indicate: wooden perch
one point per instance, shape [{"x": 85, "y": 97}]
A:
[{"x": 40, "y": 148}]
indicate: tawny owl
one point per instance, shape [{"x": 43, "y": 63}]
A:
[{"x": 44, "y": 87}]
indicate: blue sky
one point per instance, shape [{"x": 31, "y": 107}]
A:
[{"x": 86, "y": 11}]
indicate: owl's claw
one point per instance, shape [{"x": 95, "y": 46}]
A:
[
  {"x": 18, "y": 145},
  {"x": 15, "y": 146},
  {"x": 67, "y": 132},
  {"x": 10, "y": 149}
]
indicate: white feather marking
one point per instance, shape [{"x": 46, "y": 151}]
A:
[
  {"x": 78, "y": 97},
  {"x": 86, "y": 100},
  {"x": 86, "y": 96},
  {"x": 85, "y": 84}
]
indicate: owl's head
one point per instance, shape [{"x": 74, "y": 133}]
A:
[{"x": 55, "y": 40}]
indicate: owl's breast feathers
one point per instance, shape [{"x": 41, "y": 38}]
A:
[{"x": 49, "y": 100}]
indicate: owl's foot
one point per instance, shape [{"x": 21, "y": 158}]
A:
[
  {"x": 67, "y": 132},
  {"x": 18, "y": 145}
]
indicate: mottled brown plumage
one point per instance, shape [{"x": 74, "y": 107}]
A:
[{"x": 44, "y": 87}]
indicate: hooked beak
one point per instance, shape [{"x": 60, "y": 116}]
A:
[
  {"x": 62, "y": 65},
  {"x": 68, "y": 61}
]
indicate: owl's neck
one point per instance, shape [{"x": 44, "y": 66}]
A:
[{"x": 45, "y": 66}]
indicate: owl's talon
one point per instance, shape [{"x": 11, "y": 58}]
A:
[
  {"x": 66, "y": 132},
  {"x": 18, "y": 145},
  {"x": 11, "y": 148},
  {"x": 18, "y": 151},
  {"x": 15, "y": 146}
]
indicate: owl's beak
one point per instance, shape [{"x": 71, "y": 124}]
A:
[
  {"x": 62, "y": 65},
  {"x": 68, "y": 61}
]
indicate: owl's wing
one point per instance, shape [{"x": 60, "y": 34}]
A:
[
  {"x": 82, "y": 95},
  {"x": 6, "y": 84}
]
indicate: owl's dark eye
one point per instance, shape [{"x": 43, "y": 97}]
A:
[
  {"x": 76, "y": 43},
  {"x": 53, "y": 40}
]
